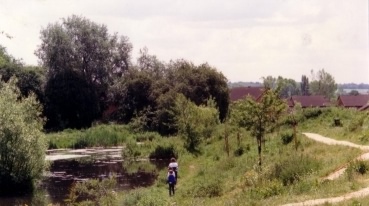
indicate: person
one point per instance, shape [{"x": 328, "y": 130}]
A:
[
  {"x": 174, "y": 166},
  {"x": 171, "y": 179}
]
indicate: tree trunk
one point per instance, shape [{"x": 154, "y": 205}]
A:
[
  {"x": 226, "y": 139},
  {"x": 259, "y": 139}
]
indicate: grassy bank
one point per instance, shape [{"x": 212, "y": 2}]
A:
[{"x": 211, "y": 177}]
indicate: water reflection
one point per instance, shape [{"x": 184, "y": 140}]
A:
[{"x": 55, "y": 186}]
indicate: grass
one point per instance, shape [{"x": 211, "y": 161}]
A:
[{"x": 211, "y": 177}]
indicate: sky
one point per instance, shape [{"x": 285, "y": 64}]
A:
[{"x": 244, "y": 39}]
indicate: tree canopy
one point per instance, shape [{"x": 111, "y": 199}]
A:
[
  {"x": 83, "y": 49},
  {"x": 323, "y": 83}
]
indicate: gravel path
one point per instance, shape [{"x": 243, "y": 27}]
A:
[
  {"x": 326, "y": 140},
  {"x": 336, "y": 174}
]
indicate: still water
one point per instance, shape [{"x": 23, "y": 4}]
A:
[{"x": 71, "y": 166}]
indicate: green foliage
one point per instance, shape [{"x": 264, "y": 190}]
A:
[
  {"x": 259, "y": 117},
  {"x": 286, "y": 137},
  {"x": 200, "y": 83},
  {"x": 309, "y": 113},
  {"x": 286, "y": 87},
  {"x": 70, "y": 101},
  {"x": 241, "y": 150},
  {"x": 323, "y": 83},
  {"x": 305, "y": 91},
  {"x": 93, "y": 192},
  {"x": 131, "y": 150},
  {"x": 149, "y": 197},
  {"x": 84, "y": 48},
  {"x": 266, "y": 190},
  {"x": 357, "y": 166},
  {"x": 194, "y": 123},
  {"x": 146, "y": 136},
  {"x": 164, "y": 152},
  {"x": 97, "y": 136},
  {"x": 356, "y": 123},
  {"x": 294, "y": 168},
  {"x": 22, "y": 143},
  {"x": 206, "y": 187}
]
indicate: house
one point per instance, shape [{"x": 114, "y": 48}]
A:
[
  {"x": 353, "y": 101},
  {"x": 308, "y": 101},
  {"x": 238, "y": 93}
]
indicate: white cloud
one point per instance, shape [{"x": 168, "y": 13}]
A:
[{"x": 244, "y": 39}]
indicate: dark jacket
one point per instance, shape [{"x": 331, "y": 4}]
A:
[{"x": 171, "y": 179}]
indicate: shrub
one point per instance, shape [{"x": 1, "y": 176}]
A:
[
  {"x": 287, "y": 137},
  {"x": 163, "y": 152},
  {"x": 22, "y": 142},
  {"x": 93, "y": 191},
  {"x": 311, "y": 112},
  {"x": 356, "y": 123},
  {"x": 239, "y": 151},
  {"x": 146, "y": 136},
  {"x": 131, "y": 150},
  {"x": 269, "y": 189},
  {"x": 206, "y": 187},
  {"x": 358, "y": 166},
  {"x": 293, "y": 169}
]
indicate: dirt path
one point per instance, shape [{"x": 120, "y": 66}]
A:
[
  {"x": 357, "y": 194},
  {"x": 329, "y": 141},
  {"x": 336, "y": 174}
]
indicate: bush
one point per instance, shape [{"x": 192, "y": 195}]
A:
[
  {"x": 294, "y": 168},
  {"x": 132, "y": 150},
  {"x": 206, "y": 187},
  {"x": 146, "y": 136},
  {"x": 93, "y": 191},
  {"x": 311, "y": 112},
  {"x": 287, "y": 137},
  {"x": 241, "y": 150},
  {"x": 22, "y": 142},
  {"x": 356, "y": 123},
  {"x": 269, "y": 189},
  {"x": 163, "y": 152},
  {"x": 358, "y": 166}
]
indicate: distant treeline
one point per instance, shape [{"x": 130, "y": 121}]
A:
[{"x": 260, "y": 84}]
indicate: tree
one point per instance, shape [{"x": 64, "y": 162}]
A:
[
  {"x": 194, "y": 123},
  {"x": 286, "y": 87},
  {"x": 323, "y": 84},
  {"x": 259, "y": 117},
  {"x": 30, "y": 78},
  {"x": 87, "y": 48},
  {"x": 354, "y": 92},
  {"x": 22, "y": 142},
  {"x": 305, "y": 86},
  {"x": 199, "y": 83},
  {"x": 70, "y": 102}
]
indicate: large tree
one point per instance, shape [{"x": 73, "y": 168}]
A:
[
  {"x": 323, "y": 83},
  {"x": 87, "y": 48},
  {"x": 199, "y": 83},
  {"x": 70, "y": 101}
]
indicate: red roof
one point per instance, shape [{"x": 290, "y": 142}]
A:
[
  {"x": 309, "y": 101},
  {"x": 353, "y": 100},
  {"x": 238, "y": 93}
]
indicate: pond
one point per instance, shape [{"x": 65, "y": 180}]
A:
[{"x": 70, "y": 166}]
